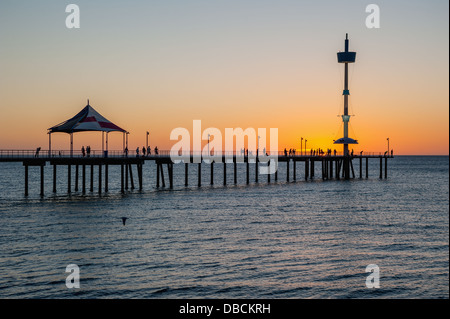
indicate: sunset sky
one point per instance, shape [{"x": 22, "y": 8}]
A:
[{"x": 158, "y": 65}]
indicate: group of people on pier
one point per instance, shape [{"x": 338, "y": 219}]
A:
[
  {"x": 145, "y": 151},
  {"x": 321, "y": 152},
  {"x": 313, "y": 152},
  {"x": 291, "y": 152},
  {"x": 86, "y": 152},
  {"x": 246, "y": 152}
]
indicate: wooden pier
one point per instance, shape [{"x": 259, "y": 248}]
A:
[{"x": 332, "y": 168}]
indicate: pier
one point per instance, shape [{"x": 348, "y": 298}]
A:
[{"x": 332, "y": 168}]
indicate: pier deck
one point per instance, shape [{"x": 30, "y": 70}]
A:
[{"x": 333, "y": 166}]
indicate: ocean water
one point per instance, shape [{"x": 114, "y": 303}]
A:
[{"x": 298, "y": 239}]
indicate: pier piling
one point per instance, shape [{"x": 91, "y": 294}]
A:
[
  {"x": 131, "y": 176},
  {"x": 248, "y": 172},
  {"x": 199, "y": 174},
  {"x": 353, "y": 171},
  {"x": 367, "y": 167},
  {"x": 385, "y": 167},
  {"x": 106, "y": 178},
  {"x": 337, "y": 169},
  {"x": 69, "y": 179},
  {"x": 235, "y": 171},
  {"x": 381, "y": 167},
  {"x": 331, "y": 169},
  {"x": 212, "y": 172},
  {"x": 225, "y": 173},
  {"x": 91, "y": 188},
  {"x": 287, "y": 170},
  {"x": 83, "y": 187},
  {"x": 122, "y": 177},
  {"x": 76, "y": 178},
  {"x": 100, "y": 178},
  {"x": 324, "y": 173},
  {"x": 170, "y": 171},
  {"x": 42, "y": 180},
  {"x": 161, "y": 170},
  {"x": 256, "y": 169},
  {"x": 295, "y": 171},
  {"x": 360, "y": 167},
  {"x": 126, "y": 176},
  {"x": 140, "y": 177},
  {"x": 306, "y": 169},
  {"x": 54, "y": 178},
  {"x": 26, "y": 180},
  {"x": 157, "y": 175}
]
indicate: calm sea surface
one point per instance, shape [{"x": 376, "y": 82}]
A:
[{"x": 281, "y": 240}]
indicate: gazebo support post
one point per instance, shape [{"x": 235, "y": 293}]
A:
[
  {"x": 106, "y": 154},
  {"x": 71, "y": 144},
  {"x": 123, "y": 144},
  {"x": 49, "y": 144}
]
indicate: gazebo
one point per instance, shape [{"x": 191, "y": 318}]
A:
[{"x": 87, "y": 120}]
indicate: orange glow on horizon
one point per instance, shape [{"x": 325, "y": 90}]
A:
[{"x": 165, "y": 65}]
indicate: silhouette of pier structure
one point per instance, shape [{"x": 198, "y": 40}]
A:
[{"x": 331, "y": 168}]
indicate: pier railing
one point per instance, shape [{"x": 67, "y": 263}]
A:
[
  {"x": 332, "y": 165},
  {"x": 167, "y": 153}
]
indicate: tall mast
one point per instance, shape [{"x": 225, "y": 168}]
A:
[
  {"x": 346, "y": 57},
  {"x": 346, "y": 94}
]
